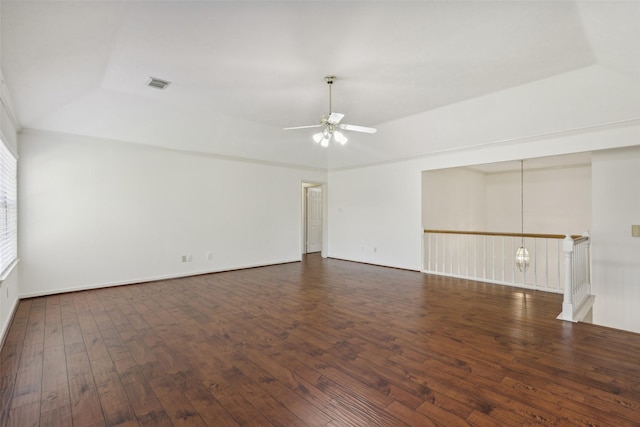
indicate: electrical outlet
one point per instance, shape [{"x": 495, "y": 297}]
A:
[
  {"x": 209, "y": 256},
  {"x": 189, "y": 258}
]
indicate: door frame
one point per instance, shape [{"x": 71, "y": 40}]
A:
[{"x": 303, "y": 216}]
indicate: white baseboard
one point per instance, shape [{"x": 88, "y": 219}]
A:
[
  {"x": 5, "y": 327},
  {"x": 150, "y": 279}
]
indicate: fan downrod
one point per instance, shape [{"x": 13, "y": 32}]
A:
[{"x": 329, "y": 80}]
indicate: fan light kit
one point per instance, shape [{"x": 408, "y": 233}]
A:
[{"x": 331, "y": 125}]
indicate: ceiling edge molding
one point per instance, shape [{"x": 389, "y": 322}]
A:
[{"x": 506, "y": 142}]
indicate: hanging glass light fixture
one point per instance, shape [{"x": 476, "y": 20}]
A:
[{"x": 522, "y": 254}]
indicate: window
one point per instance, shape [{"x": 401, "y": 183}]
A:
[{"x": 8, "y": 210}]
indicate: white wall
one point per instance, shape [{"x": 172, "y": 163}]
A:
[
  {"x": 454, "y": 199},
  {"x": 556, "y": 201},
  {"x": 615, "y": 254},
  {"x": 96, "y": 212},
  {"x": 374, "y": 215},
  {"x": 395, "y": 225}
]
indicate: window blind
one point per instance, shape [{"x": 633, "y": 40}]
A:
[{"x": 8, "y": 210}]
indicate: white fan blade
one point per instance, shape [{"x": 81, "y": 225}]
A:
[
  {"x": 358, "y": 128},
  {"x": 334, "y": 118},
  {"x": 303, "y": 127}
]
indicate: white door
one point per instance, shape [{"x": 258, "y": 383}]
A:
[{"x": 314, "y": 219}]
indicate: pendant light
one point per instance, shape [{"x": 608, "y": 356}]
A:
[{"x": 522, "y": 254}]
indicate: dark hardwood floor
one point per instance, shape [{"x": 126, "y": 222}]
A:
[{"x": 317, "y": 343}]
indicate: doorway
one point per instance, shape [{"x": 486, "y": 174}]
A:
[{"x": 312, "y": 222}]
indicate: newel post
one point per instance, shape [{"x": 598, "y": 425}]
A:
[
  {"x": 567, "y": 304},
  {"x": 588, "y": 259}
]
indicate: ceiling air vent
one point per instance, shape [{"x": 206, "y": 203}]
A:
[{"x": 158, "y": 83}]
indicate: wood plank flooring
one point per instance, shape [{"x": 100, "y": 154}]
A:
[{"x": 316, "y": 343}]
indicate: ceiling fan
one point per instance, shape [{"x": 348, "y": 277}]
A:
[{"x": 331, "y": 125}]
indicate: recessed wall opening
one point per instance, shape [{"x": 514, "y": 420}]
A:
[{"x": 476, "y": 218}]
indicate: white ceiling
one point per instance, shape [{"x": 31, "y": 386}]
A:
[{"x": 242, "y": 70}]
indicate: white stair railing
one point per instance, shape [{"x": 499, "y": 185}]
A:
[
  {"x": 490, "y": 257},
  {"x": 577, "y": 290}
]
